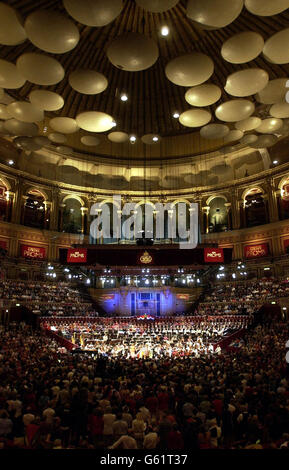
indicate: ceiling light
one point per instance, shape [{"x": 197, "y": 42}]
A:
[
  {"x": 176, "y": 115},
  {"x": 11, "y": 162},
  {"x": 155, "y": 138},
  {"x": 124, "y": 97},
  {"x": 132, "y": 139},
  {"x": 113, "y": 123},
  {"x": 275, "y": 162},
  {"x": 165, "y": 31}
]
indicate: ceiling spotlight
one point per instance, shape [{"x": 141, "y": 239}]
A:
[
  {"x": 113, "y": 123},
  {"x": 124, "y": 97},
  {"x": 176, "y": 115},
  {"x": 155, "y": 138},
  {"x": 165, "y": 31},
  {"x": 275, "y": 162},
  {"x": 11, "y": 162},
  {"x": 132, "y": 139}
]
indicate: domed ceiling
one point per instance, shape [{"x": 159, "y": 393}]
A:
[{"x": 181, "y": 77}]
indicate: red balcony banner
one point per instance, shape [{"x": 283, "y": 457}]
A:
[
  {"x": 286, "y": 244},
  {"x": 35, "y": 252},
  {"x": 4, "y": 244},
  {"x": 77, "y": 255},
  {"x": 256, "y": 251},
  {"x": 213, "y": 255}
]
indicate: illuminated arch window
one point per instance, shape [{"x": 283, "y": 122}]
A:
[
  {"x": 110, "y": 238},
  {"x": 255, "y": 208},
  {"x": 3, "y": 202},
  {"x": 182, "y": 214},
  {"x": 72, "y": 222},
  {"x": 144, "y": 229},
  {"x": 284, "y": 200},
  {"x": 218, "y": 215}
]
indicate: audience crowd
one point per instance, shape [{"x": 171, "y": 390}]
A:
[
  {"x": 244, "y": 297},
  {"x": 46, "y": 298},
  {"x": 151, "y": 338},
  {"x": 52, "y": 399},
  {"x": 62, "y": 299}
]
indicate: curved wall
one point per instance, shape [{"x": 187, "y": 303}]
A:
[{"x": 271, "y": 184}]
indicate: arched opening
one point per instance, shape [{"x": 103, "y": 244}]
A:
[
  {"x": 255, "y": 208},
  {"x": 144, "y": 223},
  {"x": 4, "y": 203},
  {"x": 34, "y": 209},
  {"x": 72, "y": 218},
  {"x": 182, "y": 220},
  {"x": 283, "y": 201},
  {"x": 218, "y": 215},
  {"x": 110, "y": 238}
]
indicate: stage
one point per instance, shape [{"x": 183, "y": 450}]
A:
[{"x": 146, "y": 337}]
